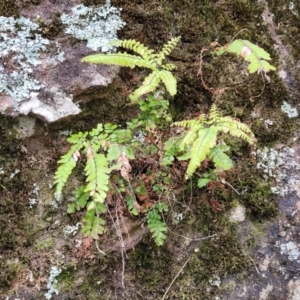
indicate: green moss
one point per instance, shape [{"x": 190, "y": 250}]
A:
[
  {"x": 46, "y": 244},
  {"x": 92, "y": 2},
  {"x": 66, "y": 279},
  {"x": 151, "y": 264},
  {"x": 289, "y": 25},
  {"x": 51, "y": 29},
  {"x": 254, "y": 193},
  {"x": 220, "y": 257},
  {"x": 9, "y": 8},
  {"x": 8, "y": 270}
]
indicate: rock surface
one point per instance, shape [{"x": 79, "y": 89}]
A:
[{"x": 63, "y": 80}]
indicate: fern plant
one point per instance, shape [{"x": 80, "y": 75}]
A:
[
  {"x": 155, "y": 223},
  {"x": 256, "y": 56},
  {"x": 146, "y": 58},
  {"x": 201, "y": 139},
  {"x": 105, "y": 150}
]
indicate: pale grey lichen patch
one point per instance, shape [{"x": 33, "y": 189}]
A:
[
  {"x": 289, "y": 110},
  {"x": 34, "y": 195},
  {"x": 97, "y": 25},
  {"x": 70, "y": 230},
  {"x": 215, "y": 280},
  {"x": 282, "y": 74},
  {"x": 18, "y": 38},
  {"x": 264, "y": 294},
  {"x": 292, "y": 8},
  {"x": 278, "y": 165},
  {"x": 20, "y": 47},
  {"x": 23, "y": 46},
  {"x": 52, "y": 282},
  {"x": 28, "y": 62},
  {"x": 290, "y": 249},
  {"x": 19, "y": 84}
]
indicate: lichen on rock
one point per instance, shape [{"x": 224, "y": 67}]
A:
[
  {"x": 33, "y": 76},
  {"x": 97, "y": 25}
]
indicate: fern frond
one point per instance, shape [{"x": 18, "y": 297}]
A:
[
  {"x": 135, "y": 46},
  {"x": 190, "y": 136},
  {"x": 187, "y": 123},
  {"x": 150, "y": 83},
  {"x": 254, "y": 54},
  {"x": 214, "y": 115},
  {"x": 147, "y": 59},
  {"x": 131, "y": 205},
  {"x": 77, "y": 138},
  {"x": 220, "y": 159},
  {"x": 93, "y": 225},
  {"x": 169, "y": 81},
  {"x": 67, "y": 164},
  {"x": 236, "y": 128},
  {"x": 166, "y": 50},
  {"x": 207, "y": 139},
  {"x": 121, "y": 59},
  {"x": 97, "y": 175},
  {"x": 203, "y": 133},
  {"x": 81, "y": 199},
  {"x": 115, "y": 150},
  {"x": 168, "y": 67},
  {"x": 96, "y": 131},
  {"x": 155, "y": 224}
]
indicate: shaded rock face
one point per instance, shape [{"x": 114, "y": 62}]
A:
[
  {"x": 35, "y": 236},
  {"x": 41, "y": 77}
]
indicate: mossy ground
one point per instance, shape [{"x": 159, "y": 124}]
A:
[{"x": 150, "y": 269}]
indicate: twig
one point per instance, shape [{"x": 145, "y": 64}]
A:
[
  {"x": 254, "y": 264},
  {"x": 119, "y": 234},
  {"x": 191, "y": 239},
  {"x": 175, "y": 278},
  {"x": 97, "y": 246},
  {"x": 227, "y": 183},
  {"x": 217, "y": 91}
]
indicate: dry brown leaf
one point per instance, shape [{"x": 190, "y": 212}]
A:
[
  {"x": 126, "y": 167},
  {"x": 87, "y": 242}
]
